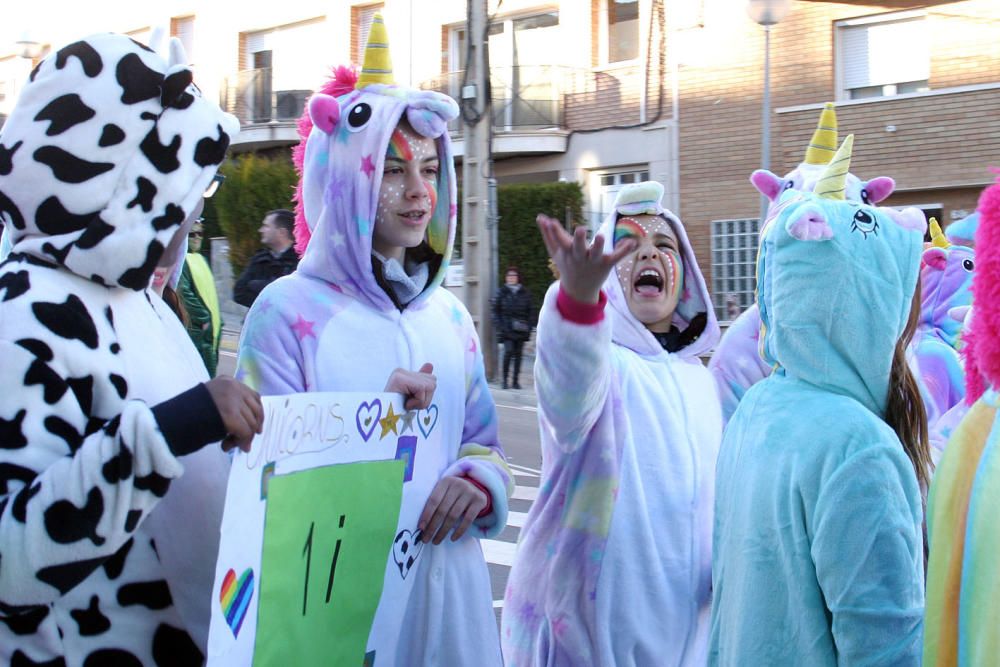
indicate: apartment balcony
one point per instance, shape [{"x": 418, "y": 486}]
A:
[
  {"x": 268, "y": 116},
  {"x": 535, "y": 108}
]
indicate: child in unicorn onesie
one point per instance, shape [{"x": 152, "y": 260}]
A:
[
  {"x": 817, "y": 549},
  {"x": 946, "y": 273},
  {"x": 613, "y": 563},
  {"x": 364, "y": 305},
  {"x": 737, "y": 364}
]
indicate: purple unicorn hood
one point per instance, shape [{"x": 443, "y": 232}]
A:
[
  {"x": 342, "y": 174},
  {"x": 695, "y": 305}
]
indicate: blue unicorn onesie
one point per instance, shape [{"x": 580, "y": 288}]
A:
[
  {"x": 817, "y": 551},
  {"x": 614, "y": 561},
  {"x": 332, "y": 326}
]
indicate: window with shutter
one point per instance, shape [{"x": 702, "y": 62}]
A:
[
  {"x": 365, "y": 15},
  {"x": 184, "y": 31},
  {"x": 882, "y": 56}
]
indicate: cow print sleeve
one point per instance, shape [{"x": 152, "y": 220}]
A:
[{"x": 72, "y": 491}]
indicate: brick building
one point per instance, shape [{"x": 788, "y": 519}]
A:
[{"x": 606, "y": 92}]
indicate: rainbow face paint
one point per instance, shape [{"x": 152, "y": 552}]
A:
[
  {"x": 408, "y": 193},
  {"x": 651, "y": 298},
  {"x": 629, "y": 227},
  {"x": 399, "y": 147}
]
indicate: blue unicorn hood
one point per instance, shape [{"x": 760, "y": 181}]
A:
[
  {"x": 835, "y": 282},
  {"x": 342, "y": 174}
]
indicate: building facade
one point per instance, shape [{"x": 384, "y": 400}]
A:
[{"x": 608, "y": 92}]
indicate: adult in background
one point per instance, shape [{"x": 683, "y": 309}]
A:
[
  {"x": 277, "y": 259},
  {"x": 513, "y": 316},
  {"x": 201, "y": 302}
]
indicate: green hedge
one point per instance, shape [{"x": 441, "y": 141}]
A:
[
  {"x": 520, "y": 242},
  {"x": 254, "y": 185}
]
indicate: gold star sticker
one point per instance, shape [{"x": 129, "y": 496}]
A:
[
  {"x": 408, "y": 421},
  {"x": 388, "y": 423}
]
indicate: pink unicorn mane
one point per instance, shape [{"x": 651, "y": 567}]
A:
[
  {"x": 340, "y": 83},
  {"x": 984, "y": 343}
]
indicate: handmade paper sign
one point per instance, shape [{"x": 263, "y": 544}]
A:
[{"x": 318, "y": 541}]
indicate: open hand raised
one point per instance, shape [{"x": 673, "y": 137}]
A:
[{"x": 582, "y": 268}]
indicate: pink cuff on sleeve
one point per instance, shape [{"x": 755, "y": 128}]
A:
[
  {"x": 580, "y": 313},
  {"x": 489, "y": 496}
]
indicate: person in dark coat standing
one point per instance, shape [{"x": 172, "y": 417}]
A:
[
  {"x": 513, "y": 317},
  {"x": 277, "y": 259}
]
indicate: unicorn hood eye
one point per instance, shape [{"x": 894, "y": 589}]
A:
[{"x": 346, "y": 132}]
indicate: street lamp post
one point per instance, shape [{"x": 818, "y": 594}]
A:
[{"x": 766, "y": 13}]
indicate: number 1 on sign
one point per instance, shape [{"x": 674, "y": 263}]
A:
[{"x": 307, "y": 554}]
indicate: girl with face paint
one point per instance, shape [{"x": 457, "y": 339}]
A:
[
  {"x": 614, "y": 561},
  {"x": 363, "y": 312}
]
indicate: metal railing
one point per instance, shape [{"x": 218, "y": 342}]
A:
[
  {"x": 250, "y": 96},
  {"x": 525, "y": 97},
  {"x": 532, "y": 97}
]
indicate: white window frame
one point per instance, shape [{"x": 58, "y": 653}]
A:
[
  {"x": 745, "y": 238},
  {"x": 598, "y": 189},
  {"x": 889, "y": 89}
]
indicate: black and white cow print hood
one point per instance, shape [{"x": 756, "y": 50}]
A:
[{"x": 107, "y": 150}]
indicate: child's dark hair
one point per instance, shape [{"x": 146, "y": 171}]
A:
[
  {"x": 905, "y": 411},
  {"x": 173, "y": 300},
  {"x": 513, "y": 269}
]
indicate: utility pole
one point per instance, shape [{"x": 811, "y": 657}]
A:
[{"x": 478, "y": 229}]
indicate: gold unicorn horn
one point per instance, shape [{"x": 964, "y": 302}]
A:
[
  {"x": 378, "y": 65},
  {"x": 937, "y": 236},
  {"x": 824, "y": 140},
  {"x": 833, "y": 183}
]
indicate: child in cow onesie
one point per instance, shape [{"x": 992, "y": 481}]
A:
[
  {"x": 110, "y": 503},
  {"x": 365, "y": 306},
  {"x": 614, "y": 561}
]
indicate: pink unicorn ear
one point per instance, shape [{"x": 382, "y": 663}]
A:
[
  {"x": 324, "y": 112},
  {"x": 936, "y": 258},
  {"x": 909, "y": 218},
  {"x": 879, "y": 188},
  {"x": 766, "y": 183},
  {"x": 810, "y": 225}
]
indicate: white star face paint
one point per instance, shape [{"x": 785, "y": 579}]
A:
[
  {"x": 408, "y": 194},
  {"x": 652, "y": 277}
]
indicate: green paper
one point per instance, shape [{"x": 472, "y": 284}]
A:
[{"x": 338, "y": 519}]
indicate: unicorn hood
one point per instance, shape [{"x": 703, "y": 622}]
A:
[
  {"x": 694, "y": 314},
  {"x": 963, "y": 232},
  {"x": 946, "y": 273},
  {"x": 106, "y": 153},
  {"x": 341, "y": 175},
  {"x": 835, "y": 280},
  {"x": 819, "y": 152}
]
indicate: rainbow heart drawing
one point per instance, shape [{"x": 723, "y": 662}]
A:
[{"x": 234, "y": 598}]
